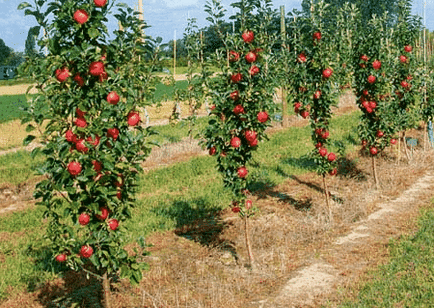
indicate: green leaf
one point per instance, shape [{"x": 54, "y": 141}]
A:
[
  {"x": 28, "y": 139},
  {"x": 30, "y": 128},
  {"x": 23, "y": 5}
]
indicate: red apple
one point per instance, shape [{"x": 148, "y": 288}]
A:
[
  {"x": 242, "y": 172},
  {"x": 408, "y": 48},
  {"x": 95, "y": 141},
  {"x": 318, "y": 145},
  {"x": 248, "y": 36},
  {"x": 364, "y": 58},
  {"x": 373, "y": 151},
  {"x": 80, "y": 113},
  {"x": 104, "y": 213},
  {"x": 119, "y": 194},
  {"x": 333, "y": 172},
  {"x": 302, "y": 58},
  {"x": 304, "y": 114},
  {"x": 393, "y": 141},
  {"x": 97, "y": 166},
  {"x": 236, "y": 78},
  {"x": 250, "y": 135},
  {"x": 81, "y": 146},
  {"x": 250, "y": 57},
  {"x": 236, "y": 209},
  {"x": 70, "y": 136},
  {"x": 380, "y": 134},
  {"x": 371, "y": 79},
  {"x": 233, "y": 56},
  {"x": 253, "y": 142},
  {"x": 62, "y": 74},
  {"x": 96, "y": 68},
  {"x": 317, "y": 36},
  {"x": 262, "y": 116},
  {"x": 376, "y": 64},
  {"x": 100, "y": 3},
  {"x": 372, "y": 105},
  {"x": 403, "y": 59},
  {"x": 235, "y": 142},
  {"x": 322, "y": 152},
  {"x": 113, "y": 133},
  {"x": 212, "y": 151},
  {"x": 61, "y": 258},
  {"x": 74, "y": 168},
  {"x": 325, "y": 134},
  {"x": 79, "y": 80},
  {"x": 327, "y": 73},
  {"x": 249, "y": 204},
  {"x": 404, "y": 84},
  {"x": 238, "y": 109},
  {"x": 133, "y": 118},
  {"x": 331, "y": 157},
  {"x": 81, "y": 16},
  {"x": 254, "y": 70},
  {"x": 83, "y": 219},
  {"x": 365, "y": 92},
  {"x": 297, "y": 107},
  {"x": 235, "y": 95},
  {"x": 113, "y": 98},
  {"x": 113, "y": 224},
  {"x": 317, "y": 94},
  {"x": 86, "y": 251},
  {"x": 80, "y": 122}
]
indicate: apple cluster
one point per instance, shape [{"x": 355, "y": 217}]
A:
[{"x": 240, "y": 115}]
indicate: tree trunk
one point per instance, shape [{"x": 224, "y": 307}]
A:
[
  {"x": 106, "y": 290},
  {"x": 374, "y": 171},
  {"x": 248, "y": 246},
  {"x": 326, "y": 192}
]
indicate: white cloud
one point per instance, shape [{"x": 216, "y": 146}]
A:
[{"x": 180, "y": 3}]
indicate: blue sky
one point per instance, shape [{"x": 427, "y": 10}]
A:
[{"x": 164, "y": 16}]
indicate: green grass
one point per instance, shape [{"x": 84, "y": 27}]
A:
[
  {"x": 10, "y": 107},
  {"x": 167, "y": 198},
  {"x": 15, "y": 81},
  {"x": 18, "y": 167},
  {"x": 408, "y": 279},
  {"x": 163, "y": 92}
]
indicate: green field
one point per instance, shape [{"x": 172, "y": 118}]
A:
[{"x": 10, "y": 107}]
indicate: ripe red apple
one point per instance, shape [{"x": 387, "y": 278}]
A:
[
  {"x": 317, "y": 94},
  {"x": 104, "y": 213},
  {"x": 253, "y": 142},
  {"x": 95, "y": 141},
  {"x": 364, "y": 58},
  {"x": 373, "y": 151},
  {"x": 376, "y": 64},
  {"x": 242, "y": 172},
  {"x": 119, "y": 194},
  {"x": 304, "y": 114},
  {"x": 97, "y": 166},
  {"x": 113, "y": 133},
  {"x": 322, "y": 152},
  {"x": 250, "y": 135},
  {"x": 365, "y": 92},
  {"x": 212, "y": 107},
  {"x": 327, "y": 73},
  {"x": 331, "y": 157},
  {"x": 235, "y": 142},
  {"x": 113, "y": 98},
  {"x": 113, "y": 224},
  {"x": 86, "y": 251},
  {"x": 80, "y": 113},
  {"x": 372, "y": 105},
  {"x": 81, "y": 146},
  {"x": 80, "y": 122},
  {"x": 380, "y": 133},
  {"x": 250, "y": 57},
  {"x": 236, "y": 209},
  {"x": 248, "y": 36},
  {"x": 317, "y": 36},
  {"x": 254, "y": 70},
  {"x": 366, "y": 104},
  {"x": 262, "y": 116},
  {"x": 318, "y": 145},
  {"x": 233, "y": 56},
  {"x": 409, "y": 77},
  {"x": 133, "y": 118},
  {"x": 235, "y": 95},
  {"x": 74, "y": 168},
  {"x": 333, "y": 172},
  {"x": 70, "y": 136},
  {"x": 249, "y": 204},
  {"x": 325, "y": 134},
  {"x": 62, "y": 74},
  {"x": 81, "y": 16},
  {"x": 79, "y": 80},
  {"x": 100, "y": 3},
  {"x": 369, "y": 110},
  {"x": 404, "y": 84},
  {"x": 96, "y": 68},
  {"x": 61, "y": 258},
  {"x": 372, "y": 79},
  {"x": 403, "y": 59},
  {"x": 302, "y": 58},
  {"x": 408, "y": 48},
  {"x": 236, "y": 78},
  {"x": 393, "y": 141},
  {"x": 238, "y": 109},
  {"x": 212, "y": 151},
  {"x": 297, "y": 107},
  {"x": 83, "y": 219}
]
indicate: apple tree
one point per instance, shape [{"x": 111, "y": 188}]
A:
[
  {"x": 91, "y": 91},
  {"x": 242, "y": 98}
]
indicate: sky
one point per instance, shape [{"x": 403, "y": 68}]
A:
[{"x": 167, "y": 18}]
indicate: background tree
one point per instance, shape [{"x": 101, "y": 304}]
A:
[{"x": 5, "y": 52}]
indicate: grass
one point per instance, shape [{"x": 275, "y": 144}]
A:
[
  {"x": 18, "y": 167},
  {"x": 167, "y": 198},
  {"x": 407, "y": 280},
  {"x": 10, "y": 107},
  {"x": 15, "y": 81}
]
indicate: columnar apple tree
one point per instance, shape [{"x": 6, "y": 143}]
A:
[
  {"x": 374, "y": 85},
  {"x": 242, "y": 99},
  {"x": 314, "y": 78},
  {"x": 90, "y": 93}
]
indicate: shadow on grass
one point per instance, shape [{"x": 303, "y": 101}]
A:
[
  {"x": 348, "y": 168},
  {"x": 199, "y": 221}
]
